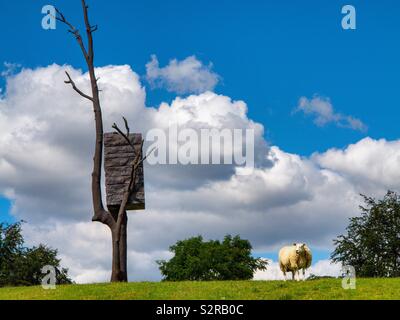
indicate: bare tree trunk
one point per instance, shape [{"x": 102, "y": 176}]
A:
[
  {"x": 119, "y": 249},
  {"x": 123, "y": 250},
  {"x": 116, "y": 220},
  {"x": 115, "y": 273}
]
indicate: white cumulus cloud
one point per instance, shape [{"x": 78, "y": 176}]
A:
[
  {"x": 46, "y": 146},
  {"x": 322, "y": 110},
  {"x": 186, "y": 76},
  {"x": 9, "y": 69}
]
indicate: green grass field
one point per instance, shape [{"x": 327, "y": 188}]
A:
[{"x": 229, "y": 290}]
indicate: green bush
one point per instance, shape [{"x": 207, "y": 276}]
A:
[
  {"x": 195, "y": 259},
  {"x": 372, "y": 242},
  {"x": 20, "y": 265}
]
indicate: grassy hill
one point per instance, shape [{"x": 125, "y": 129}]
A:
[{"x": 315, "y": 289}]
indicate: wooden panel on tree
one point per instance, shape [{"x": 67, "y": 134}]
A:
[{"x": 118, "y": 158}]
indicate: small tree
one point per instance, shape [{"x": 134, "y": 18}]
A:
[
  {"x": 195, "y": 259},
  {"x": 372, "y": 243},
  {"x": 20, "y": 265}
]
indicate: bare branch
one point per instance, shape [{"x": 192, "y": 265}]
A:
[
  {"x": 100, "y": 214},
  {"x": 130, "y": 189},
  {"x": 60, "y": 17},
  {"x": 89, "y": 31},
  {"x": 125, "y": 136},
  {"x": 72, "y": 83},
  {"x": 135, "y": 165},
  {"x": 148, "y": 154},
  {"x": 104, "y": 217},
  {"x": 126, "y": 126}
]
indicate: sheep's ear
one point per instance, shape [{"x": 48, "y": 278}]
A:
[
  {"x": 294, "y": 243},
  {"x": 303, "y": 245}
]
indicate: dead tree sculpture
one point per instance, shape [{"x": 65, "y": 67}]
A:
[{"x": 116, "y": 220}]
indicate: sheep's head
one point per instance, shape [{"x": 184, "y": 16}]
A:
[{"x": 300, "y": 248}]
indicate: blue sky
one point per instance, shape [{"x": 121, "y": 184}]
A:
[
  {"x": 4, "y": 211},
  {"x": 267, "y": 53}
]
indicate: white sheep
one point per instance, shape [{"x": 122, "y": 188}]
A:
[{"x": 295, "y": 258}]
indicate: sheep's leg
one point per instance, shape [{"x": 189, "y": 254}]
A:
[
  {"x": 304, "y": 274},
  {"x": 283, "y": 269},
  {"x": 293, "y": 275}
]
